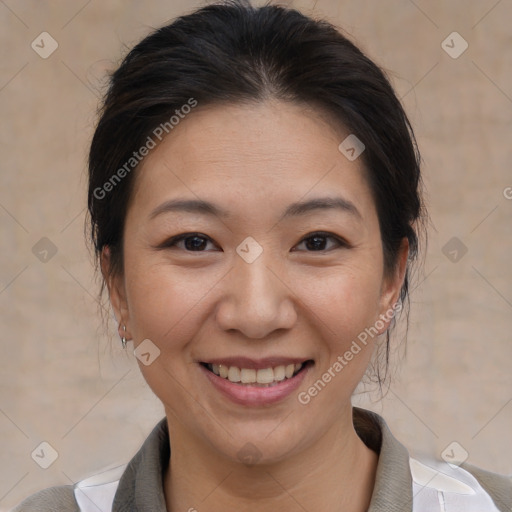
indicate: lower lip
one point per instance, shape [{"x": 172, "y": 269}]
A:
[{"x": 245, "y": 394}]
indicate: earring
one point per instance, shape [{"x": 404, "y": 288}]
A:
[{"x": 123, "y": 339}]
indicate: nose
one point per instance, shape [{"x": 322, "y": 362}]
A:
[{"x": 256, "y": 299}]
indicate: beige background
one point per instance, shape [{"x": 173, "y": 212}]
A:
[{"x": 63, "y": 382}]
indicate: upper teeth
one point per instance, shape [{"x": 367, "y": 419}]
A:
[{"x": 250, "y": 375}]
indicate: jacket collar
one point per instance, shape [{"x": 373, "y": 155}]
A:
[{"x": 393, "y": 481}]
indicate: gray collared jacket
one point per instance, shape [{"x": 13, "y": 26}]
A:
[{"x": 403, "y": 484}]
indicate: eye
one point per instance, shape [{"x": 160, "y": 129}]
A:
[
  {"x": 192, "y": 242},
  {"x": 317, "y": 241},
  {"x": 197, "y": 242}
]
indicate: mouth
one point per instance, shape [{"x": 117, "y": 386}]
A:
[
  {"x": 256, "y": 383},
  {"x": 257, "y": 377}
]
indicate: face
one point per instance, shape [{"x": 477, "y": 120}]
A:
[{"x": 284, "y": 267}]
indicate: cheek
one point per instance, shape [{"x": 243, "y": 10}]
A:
[
  {"x": 164, "y": 307},
  {"x": 345, "y": 300},
  {"x": 160, "y": 300},
  {"x": 345, "y": 306}
]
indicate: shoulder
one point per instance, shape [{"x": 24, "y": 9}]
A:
[
  {"x": 61, "y": 498},
  {"x": 98, "y": 492},
  {"x": 499, "y": 487},
  {"x": 94, "y": 494},
  {"x": 459, "y": 487}
]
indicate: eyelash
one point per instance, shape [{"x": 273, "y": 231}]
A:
[{"x": 173, "y": 241}]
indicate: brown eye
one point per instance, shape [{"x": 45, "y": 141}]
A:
[
  {"x": 192, "y": 242},
  {"x": 317, "y": 242}
]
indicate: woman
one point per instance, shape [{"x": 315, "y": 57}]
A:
[{"x": 255, "y": 204}]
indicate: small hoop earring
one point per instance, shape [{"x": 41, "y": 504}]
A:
[{"x": 123, "y": 339}]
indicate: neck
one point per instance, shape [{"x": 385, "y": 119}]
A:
[{"x": 335, "y": 473}]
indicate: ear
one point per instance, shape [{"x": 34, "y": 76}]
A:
[
  {"x": 116, "y": 291},
  {"x": 392, "y": 284}
]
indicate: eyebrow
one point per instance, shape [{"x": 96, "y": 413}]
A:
[
  {"x": 295, "y": 209},
  {"x": 322, "y": 203}
]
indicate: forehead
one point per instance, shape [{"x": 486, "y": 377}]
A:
[{"x": 251, "y": 155}]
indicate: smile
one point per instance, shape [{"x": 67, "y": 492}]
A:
[
  {"x": 262, "y": 377},
  {"x": 267, "y": 384}
]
